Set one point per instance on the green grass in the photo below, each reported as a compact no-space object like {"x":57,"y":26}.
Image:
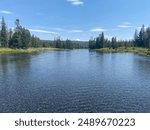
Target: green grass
{"x":136,"y":50}
{"x":30,"y":50}
{"x":141,"y":51}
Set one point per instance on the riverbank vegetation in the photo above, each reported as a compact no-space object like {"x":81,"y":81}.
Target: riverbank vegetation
{"x":21,"y":38}
{"x":140,"y":44}
{"x":136,"y":50}
{"x":29,"y":50}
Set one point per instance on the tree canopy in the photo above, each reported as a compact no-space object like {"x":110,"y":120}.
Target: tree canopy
{"x":21,"y":38}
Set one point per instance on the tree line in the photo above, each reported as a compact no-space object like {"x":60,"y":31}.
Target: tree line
{"x":141,"y":39}
{"x":21,"y":38}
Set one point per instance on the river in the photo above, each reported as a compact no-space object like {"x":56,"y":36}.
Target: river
{"x":74,"y":81}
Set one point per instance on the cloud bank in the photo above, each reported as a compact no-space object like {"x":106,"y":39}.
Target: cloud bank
{"x":76,"y":2}
{"x":98,"y":30}
{"x":42,"y":31}
{"x":5,"y":12}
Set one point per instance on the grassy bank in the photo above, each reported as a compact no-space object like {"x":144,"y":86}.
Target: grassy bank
{"x":30,"y":50}
{"x":141,"y":51}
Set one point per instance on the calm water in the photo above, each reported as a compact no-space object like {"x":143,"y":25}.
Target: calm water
{"x":74,"y":81}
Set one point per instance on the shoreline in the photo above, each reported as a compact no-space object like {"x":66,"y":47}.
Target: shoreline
{"x":29,"y":50}
{"x":136,"y":50}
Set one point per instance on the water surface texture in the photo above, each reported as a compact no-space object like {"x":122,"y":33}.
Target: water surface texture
{"x":74,"y":81}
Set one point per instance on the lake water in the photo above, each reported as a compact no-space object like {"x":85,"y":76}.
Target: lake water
{"x":74,"y":81}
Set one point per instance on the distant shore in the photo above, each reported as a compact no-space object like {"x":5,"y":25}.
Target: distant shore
{"x":30,"y":50}
{"x":136,"y":50}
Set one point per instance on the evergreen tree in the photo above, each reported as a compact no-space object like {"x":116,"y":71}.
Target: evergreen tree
{"x":25,"y":38}
{"x":92,"y":43}
{"x":21,"y":38}
{"x":114,"y":43}
{"x":68,"y":44}
{"x":33,"y":42}
{"x":141,"y":37}
{"x":148,"y":38}
{"x":10,"y":35}
{"x":136,"y":38}
{"x":102,"y":40}
{"x":98,"y":42}
{"x":0,"y":38}
{"x":16,"y":39}
{"x":4,"y":37}
{"x":58,"y":43}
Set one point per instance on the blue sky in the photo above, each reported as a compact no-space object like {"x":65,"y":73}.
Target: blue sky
{"x":77,"y":19}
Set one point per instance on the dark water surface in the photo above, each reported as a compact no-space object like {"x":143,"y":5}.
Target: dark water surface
{"x":74,"y":81}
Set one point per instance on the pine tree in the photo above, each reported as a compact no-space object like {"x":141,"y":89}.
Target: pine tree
{"x":16,"y":39}
{"x":114,"y":43}
{"x":4,"y":38}
{"x":102,"y":41}
{"x":33,"y":41}
{"x":0,"y":39}
{"x":25,"y":38}
{"x":10,"y":35}
{"x":92,"y":43}
{"x":136,"y":38}
{"x":148,"y":38}
{"x":58,"y":43}
{"x":142,"y":37}
{"x":98,"y":42}
{"x":68,"y":44}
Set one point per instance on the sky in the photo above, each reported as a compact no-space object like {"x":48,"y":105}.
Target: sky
{"x":77,"y":19}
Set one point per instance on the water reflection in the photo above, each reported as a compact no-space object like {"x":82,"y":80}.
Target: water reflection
{"x":74,"y":81}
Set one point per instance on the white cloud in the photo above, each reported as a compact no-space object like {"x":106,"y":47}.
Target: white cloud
{"x":39,"y":27}
{"x":77,"y":39}
{"x":54,"y":31}
{"x":76,"y":2}
{"x":5,"y":12}
{"x":58,"y":29}
{"x":42,"y":31}
{"x":124,"y":26}
{"x":67,"y":30}
{"x":98,"y":30}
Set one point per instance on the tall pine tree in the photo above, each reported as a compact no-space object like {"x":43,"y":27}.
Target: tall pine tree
{"x":4,"y":37}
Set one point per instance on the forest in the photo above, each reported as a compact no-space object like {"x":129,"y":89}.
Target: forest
{"x":141,"y":39}
{"x":21,"y":38}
